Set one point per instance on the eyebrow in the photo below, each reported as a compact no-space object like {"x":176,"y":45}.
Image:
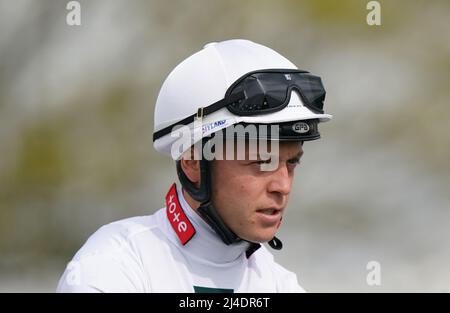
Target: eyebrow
{"x":257,"y":156}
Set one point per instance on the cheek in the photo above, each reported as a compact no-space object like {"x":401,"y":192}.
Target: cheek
{"x":236,"y":193}
{"x":228,"y":183}
{"x":245,"y":190}
{"x":234,"y":200}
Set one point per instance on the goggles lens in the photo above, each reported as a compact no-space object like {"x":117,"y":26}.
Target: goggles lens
{"x":269,"y":91}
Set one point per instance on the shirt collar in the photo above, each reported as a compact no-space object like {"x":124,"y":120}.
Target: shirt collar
{"x":206,"y":245}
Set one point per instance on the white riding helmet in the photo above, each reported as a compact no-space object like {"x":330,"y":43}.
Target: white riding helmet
{"x":204,"y":78}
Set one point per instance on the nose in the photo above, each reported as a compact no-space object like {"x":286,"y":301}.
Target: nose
{"x":280,"y":180}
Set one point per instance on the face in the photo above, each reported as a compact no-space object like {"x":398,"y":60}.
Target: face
{"x":251,"y":201}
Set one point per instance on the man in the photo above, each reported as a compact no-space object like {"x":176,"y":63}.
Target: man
{"x":233,"y":189}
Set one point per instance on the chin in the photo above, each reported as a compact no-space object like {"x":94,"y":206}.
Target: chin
{"x":260,"y":237}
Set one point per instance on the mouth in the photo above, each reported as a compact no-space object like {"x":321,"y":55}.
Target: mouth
{"x":269,"y":211}
{"x":269,"y":217}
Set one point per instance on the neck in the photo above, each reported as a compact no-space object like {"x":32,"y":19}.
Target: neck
{"x":192,"y":203}
{"x":206,"y":240}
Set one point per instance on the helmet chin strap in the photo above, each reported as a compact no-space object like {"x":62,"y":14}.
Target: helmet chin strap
{"x":202,"y":194}
{"x":209,"y":214}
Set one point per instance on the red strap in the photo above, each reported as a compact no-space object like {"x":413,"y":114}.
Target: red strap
{"x":177,"y":218}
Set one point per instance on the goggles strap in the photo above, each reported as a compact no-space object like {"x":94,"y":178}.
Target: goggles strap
{"x":204,"y":111}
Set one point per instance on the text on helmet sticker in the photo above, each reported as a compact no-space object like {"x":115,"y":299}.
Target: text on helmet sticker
{"x":300,"y":127}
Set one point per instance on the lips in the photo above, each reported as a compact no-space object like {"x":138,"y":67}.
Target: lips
{"x":270,"y":211}
{"x":269,"y":217}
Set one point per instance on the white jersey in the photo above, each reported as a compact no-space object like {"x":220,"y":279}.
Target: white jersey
{"x":150,"y":254}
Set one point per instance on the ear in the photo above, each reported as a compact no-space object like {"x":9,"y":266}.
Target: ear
{"x":191,"y":169}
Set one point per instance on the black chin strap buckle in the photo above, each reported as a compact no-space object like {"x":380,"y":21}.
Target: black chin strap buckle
{"x":275,"y":243}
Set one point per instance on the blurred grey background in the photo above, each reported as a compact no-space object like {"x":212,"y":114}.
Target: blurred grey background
{"x":76,"y":120}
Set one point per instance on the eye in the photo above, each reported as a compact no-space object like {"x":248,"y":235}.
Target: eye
{"x":293,"y":163}
{"x":259,"y":162}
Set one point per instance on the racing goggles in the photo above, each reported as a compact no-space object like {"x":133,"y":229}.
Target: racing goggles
{"x":262,"y":92}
